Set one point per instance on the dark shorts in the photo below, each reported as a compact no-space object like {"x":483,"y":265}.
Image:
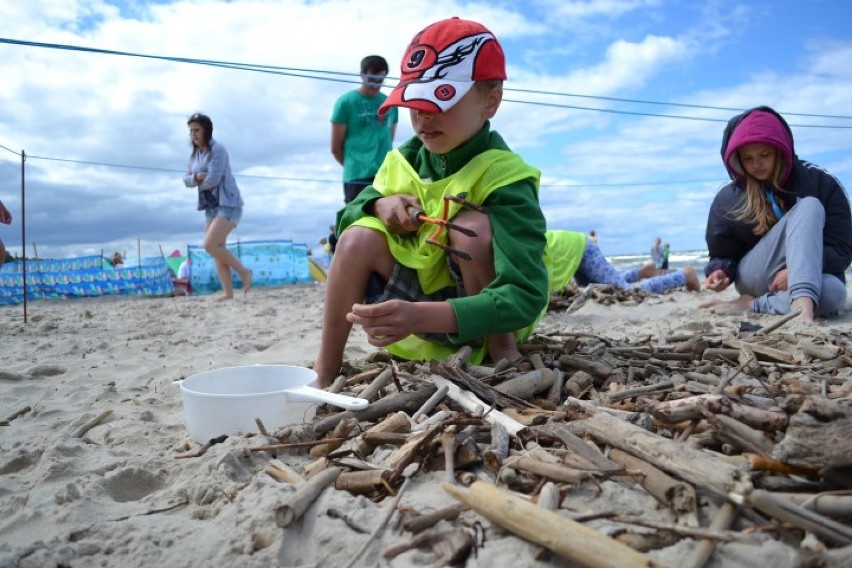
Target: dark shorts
{"x":352,"y":188}
{"x":405,"y":285}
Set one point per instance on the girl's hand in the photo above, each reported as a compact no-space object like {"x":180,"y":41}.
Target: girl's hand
{"x":779,"y":283}
{"x":395,"y":212}
{"x":386,"y":322}
{"x":717,"y":281}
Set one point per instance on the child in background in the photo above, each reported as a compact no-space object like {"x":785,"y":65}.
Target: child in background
{"x":422,"y":302}
{"x":570,"y":255}
{"x":780,"y":231}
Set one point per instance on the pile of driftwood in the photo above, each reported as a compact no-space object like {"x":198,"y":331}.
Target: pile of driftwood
{"x":756,"y":421}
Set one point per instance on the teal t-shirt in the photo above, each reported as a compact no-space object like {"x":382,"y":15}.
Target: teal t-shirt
{"x":368,"y":136}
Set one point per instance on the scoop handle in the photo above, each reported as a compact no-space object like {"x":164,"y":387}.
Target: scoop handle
{"x":311,"y":394}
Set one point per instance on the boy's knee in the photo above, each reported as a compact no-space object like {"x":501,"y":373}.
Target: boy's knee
{"x":480,"y":224}
{"x":360,"y":240}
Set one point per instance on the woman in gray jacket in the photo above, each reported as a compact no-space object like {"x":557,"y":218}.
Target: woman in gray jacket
{"x":219,"y":197}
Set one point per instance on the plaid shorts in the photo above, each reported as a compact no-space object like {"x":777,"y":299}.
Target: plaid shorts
{"x":405,"y":285}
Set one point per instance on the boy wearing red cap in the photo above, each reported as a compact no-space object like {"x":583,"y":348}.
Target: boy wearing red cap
{"x":427,"y":289}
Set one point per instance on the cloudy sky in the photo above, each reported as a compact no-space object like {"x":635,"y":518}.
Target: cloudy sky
{"x":620,"y":103}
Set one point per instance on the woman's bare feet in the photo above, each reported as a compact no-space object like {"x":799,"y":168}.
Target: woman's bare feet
{"x":743,"y":303}
{"x":807,"y":306}
{"x":692,"y":283}
{"x":224,"y":297}
{"x":245,"y":277}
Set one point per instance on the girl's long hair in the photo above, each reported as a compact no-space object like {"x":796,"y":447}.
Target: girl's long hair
{"x":756,"y":209}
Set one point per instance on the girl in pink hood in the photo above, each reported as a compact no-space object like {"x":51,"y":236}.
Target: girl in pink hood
{"x":781,"y":230}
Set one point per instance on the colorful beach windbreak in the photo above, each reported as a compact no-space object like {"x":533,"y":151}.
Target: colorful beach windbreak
{"x":274,"y":263}
{"x":84,"y":276}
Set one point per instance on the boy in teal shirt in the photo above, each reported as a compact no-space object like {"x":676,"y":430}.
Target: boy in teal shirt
{"x":421,"y":301}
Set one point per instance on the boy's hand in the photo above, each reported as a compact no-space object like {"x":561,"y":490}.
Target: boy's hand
{"x":395,"y":212}
{"x":386,"y":322}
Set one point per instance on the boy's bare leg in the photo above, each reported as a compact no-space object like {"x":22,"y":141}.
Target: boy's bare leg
{"x":359,"y":253}
{"x":479,"y":273}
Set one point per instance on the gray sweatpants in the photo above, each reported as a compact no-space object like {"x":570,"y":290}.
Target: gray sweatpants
{"x":795,"y":242}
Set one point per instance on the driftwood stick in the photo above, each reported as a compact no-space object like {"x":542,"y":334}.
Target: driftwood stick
{"x":428,"y":520}
{"x":674,"y":411}
{"x":340,"y":434}
{"x":696,"y":532}
{"x":569,"y":539}
{"x":681,"y":460}
{"x":362,"y":482}
{"x":765,"y":330}
{"x":304,"y":496}
{"x":676,"y":494}
{"x":482,"y":390}
{"x":554,"y":395}
{"x":639,"y":391}
{"x":551,"y":471}
{"x":736,"y":433}
{"x":828,"y":503}
{"x":448,"y":445}
{"x":408,"y":401}
{"x":291,"y":445}
{"x":381,"y":526}
{"x":718,"y":389}
{"x":81,"y":431}
{"x":372,"y":391}
{"x":527,"y":385}
{"x":786,"y":510}
{"x":430,"y":404}
{"x":499,"y":448}
{"x":469,"y":402}
{"x":282,"y":472}
{"x":704,"y":548}
{"x":396,"y":422}
{"x":261,"y":427}
{"x":549,"y":497}
{"x":580,"y":454}
{"x":16,"y":414}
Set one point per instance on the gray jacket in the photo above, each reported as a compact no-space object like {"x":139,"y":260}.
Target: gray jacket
{"x":219,"y":187}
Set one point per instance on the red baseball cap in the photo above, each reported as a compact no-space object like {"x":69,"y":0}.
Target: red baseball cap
{"x":442,"y":63}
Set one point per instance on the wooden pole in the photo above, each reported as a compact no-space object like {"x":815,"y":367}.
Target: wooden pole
{"x":24,"y":230}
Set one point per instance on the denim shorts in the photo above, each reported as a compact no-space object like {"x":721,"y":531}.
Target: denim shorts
{"x":232,"y":214}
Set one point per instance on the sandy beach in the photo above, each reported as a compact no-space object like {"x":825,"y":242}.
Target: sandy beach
{"x":118,"y":496}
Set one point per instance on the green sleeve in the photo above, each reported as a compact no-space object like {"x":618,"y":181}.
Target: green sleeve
{"x":356,"y":208}
{"x":518,"y":294}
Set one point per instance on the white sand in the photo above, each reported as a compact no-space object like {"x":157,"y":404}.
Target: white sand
{"x":95,"y":501}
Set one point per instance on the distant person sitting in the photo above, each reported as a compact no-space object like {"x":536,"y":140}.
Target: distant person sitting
{"x":182,"y":283}
{"x":593,"y":237}
{"x":571,"y":255}
{"x":6,"y":219}
{"x":117,"y":260}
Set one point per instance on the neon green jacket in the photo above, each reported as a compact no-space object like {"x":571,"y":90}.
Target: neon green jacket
{"x":489,"y":173}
